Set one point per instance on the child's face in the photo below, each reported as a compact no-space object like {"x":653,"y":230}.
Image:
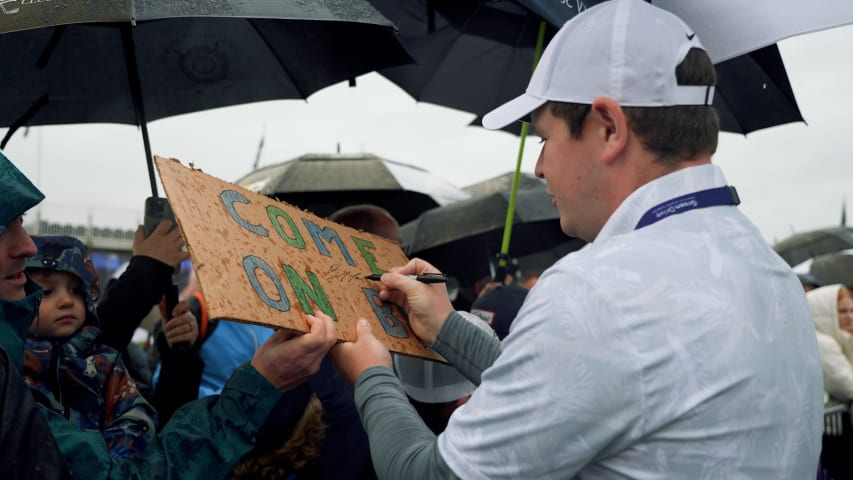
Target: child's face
{"x":63,"y":307}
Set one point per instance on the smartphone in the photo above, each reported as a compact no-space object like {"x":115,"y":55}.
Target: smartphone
{"x":156,"y":210}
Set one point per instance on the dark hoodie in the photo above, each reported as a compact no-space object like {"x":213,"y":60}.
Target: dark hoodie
{"x":78,"y":376}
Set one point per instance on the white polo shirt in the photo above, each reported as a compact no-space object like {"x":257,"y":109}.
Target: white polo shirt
{"x":682,"y":350}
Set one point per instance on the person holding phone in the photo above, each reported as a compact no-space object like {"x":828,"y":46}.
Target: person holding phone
{"x":206,"y":438}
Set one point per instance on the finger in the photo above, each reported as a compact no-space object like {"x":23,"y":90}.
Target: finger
{"x":316,"y":326}
{"x":363,"y":329}
{"x":414,"y":267}
{"x":281,"y":336}
{"x":394,"y":296}
{"x":331,"y":332}
{"x":162,"y":227}
{"x":180,"y":309}
{"x":399,"y":281}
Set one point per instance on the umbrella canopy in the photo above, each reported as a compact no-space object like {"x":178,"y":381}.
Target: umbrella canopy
{"x":474,"y":56}
{"x":470,"y":55}
{"x":833,"y":268}
{"x":728,"y":28}
{"x":800,"y":247}
{"x":134,"y":61}
{"x":325,"y":183}
{"x":503,"y":183}
{"x":463,"y":238}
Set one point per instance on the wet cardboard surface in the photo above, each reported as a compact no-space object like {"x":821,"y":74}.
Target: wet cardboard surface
{"x":266,"y":262}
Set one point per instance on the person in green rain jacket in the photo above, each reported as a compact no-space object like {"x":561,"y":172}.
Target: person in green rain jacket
{"x":204,"y":439}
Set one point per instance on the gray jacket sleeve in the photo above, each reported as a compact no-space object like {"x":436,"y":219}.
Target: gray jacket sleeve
{"x":400,"y":443}
{"x":467,"y":347}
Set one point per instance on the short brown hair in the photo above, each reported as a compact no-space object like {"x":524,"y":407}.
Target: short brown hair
{"x":673,"y":134}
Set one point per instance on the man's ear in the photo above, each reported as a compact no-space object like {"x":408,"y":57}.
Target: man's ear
{"x":612,"y":127}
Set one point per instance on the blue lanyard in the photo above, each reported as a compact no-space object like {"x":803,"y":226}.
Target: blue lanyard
{"x":712,"y":197}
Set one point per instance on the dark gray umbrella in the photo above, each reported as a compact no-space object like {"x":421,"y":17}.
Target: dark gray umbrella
{"x":802,"y":246}
{"x":134,"y":61}
{"x":474,"y":55}
{"x":323,"y":183}
{"x":503,"y":183}
{"x":833,"y":268}
{"x":463,"y":238}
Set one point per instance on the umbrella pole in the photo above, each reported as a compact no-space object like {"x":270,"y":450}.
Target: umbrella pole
{"x":139,"y":105}
{"x":503,"y":257}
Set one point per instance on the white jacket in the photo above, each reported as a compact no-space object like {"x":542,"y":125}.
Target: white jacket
{"x":833,"y":343}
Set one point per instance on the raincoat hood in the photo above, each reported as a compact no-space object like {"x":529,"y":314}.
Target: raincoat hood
{"x":63,"y":253}
{"x":15,"y":319}
{"x":19,"y":194}
{"x":823,"y":302}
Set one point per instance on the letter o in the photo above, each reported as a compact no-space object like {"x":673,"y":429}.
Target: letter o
{"x":251,"y":264}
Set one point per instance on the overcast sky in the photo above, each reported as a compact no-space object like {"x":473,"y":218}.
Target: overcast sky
{"x":790,"y":178}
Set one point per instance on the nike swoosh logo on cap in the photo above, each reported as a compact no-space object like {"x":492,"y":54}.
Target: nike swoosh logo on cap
{"x":690,"y":35}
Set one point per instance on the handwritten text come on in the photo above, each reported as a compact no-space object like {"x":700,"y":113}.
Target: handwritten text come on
{"x":267,"y":262}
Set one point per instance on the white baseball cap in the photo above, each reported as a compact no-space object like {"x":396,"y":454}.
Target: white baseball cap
{"x":626,"y":50}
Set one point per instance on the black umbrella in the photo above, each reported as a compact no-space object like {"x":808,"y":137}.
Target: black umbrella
{"x":474,"y":55}
{"x":469,"y":55}
{"x":325,"y":183}
{"x":134,"y":61}
{"x":463,"y":238}
{"x":802,"y":246}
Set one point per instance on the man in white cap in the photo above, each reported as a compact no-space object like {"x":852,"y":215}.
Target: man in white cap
{"x":676,"y":345}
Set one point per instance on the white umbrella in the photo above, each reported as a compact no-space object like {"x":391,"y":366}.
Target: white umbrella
{"x":728,"y":28}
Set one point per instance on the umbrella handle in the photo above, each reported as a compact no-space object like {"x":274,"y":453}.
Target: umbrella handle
{"x":504,"y":255}
{"x":502,"y":268}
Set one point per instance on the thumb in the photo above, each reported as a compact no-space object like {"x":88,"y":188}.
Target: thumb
{"x":139,"y":234}
{"x":363,"y":329}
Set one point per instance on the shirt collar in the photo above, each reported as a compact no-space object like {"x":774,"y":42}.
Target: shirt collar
{"x":677,"y":183}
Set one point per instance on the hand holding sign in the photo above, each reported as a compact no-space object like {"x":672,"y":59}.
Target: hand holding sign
{"x":353,"y":358}
{"x":288,"y":360}
{"x":262,"y":261}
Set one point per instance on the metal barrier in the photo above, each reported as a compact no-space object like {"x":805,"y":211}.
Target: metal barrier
{"x":833,"y":420}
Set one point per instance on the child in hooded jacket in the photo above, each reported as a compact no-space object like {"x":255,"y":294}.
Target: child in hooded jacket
{"x":67,"y":368}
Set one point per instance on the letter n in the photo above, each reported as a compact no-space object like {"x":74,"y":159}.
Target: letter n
{"x":303,"y":292}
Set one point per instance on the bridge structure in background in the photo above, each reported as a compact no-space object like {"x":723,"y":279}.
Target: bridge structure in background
{"x":96,"y":238}
{"x":110,"y":248}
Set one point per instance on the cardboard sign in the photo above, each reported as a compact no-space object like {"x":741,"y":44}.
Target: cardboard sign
{"x":266,"y":262}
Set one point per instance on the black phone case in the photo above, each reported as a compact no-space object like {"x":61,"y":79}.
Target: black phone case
{"x":156,"y":210}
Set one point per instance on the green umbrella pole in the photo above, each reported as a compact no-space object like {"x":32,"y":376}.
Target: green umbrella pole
{"x":503,"y":258}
